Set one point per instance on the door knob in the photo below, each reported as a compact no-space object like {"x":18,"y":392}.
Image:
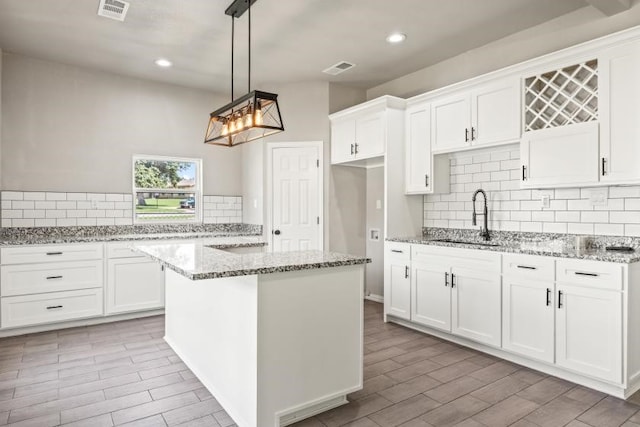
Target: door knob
{"x":276,"y":232}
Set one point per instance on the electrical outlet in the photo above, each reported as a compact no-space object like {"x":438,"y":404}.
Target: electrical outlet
{"x":545,"y":201}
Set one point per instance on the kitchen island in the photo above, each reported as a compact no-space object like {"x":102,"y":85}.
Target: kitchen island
{"x":275,"y":337}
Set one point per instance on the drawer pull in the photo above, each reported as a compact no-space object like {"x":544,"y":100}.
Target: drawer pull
{"x":559,"y":299}
{"x":453,"y":278}
{"x":580,"y":273}
{"x":53,"y":277}
{"x":527,"y":267}
{"x":406,"y":272}
{"x":398,"y":251}
{"x":548,"y":297}
{"x":52,"y":307}
{"x":54,"y":253}
{"x":446,"y":279}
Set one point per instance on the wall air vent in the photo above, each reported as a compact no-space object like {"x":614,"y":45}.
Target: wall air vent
{"x":113,"y":9}
{"x":338,"y":68}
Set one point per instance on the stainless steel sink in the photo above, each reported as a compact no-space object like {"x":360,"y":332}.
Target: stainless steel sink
{"x":465,"y":242}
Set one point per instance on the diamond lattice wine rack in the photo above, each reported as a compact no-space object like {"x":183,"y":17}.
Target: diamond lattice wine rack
{"x":561,"y":97}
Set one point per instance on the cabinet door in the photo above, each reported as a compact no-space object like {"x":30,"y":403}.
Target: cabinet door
{"x":589,"y":331}
{"x":560,"y":157}
{"x":475,"y":305}
{"x":450,"y":122}
{"x":343,"y":136}
{"x":418,"y":179}
{"x":397,"y":284}
{"x":134,"y":284}
{"x":370,"y":135}
{"x":619,"y":93}
{"x":528,"y":318}
{"x":495,"y":112}
{"x":431,"y":295}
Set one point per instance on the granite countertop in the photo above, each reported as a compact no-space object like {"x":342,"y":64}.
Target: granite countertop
{"x":529,"y":248}
{"x":42,"y":239}
{"x":201,"y":260}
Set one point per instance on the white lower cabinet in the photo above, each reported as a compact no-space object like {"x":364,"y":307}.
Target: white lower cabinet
{"x":397,"y":282}
{"x":589,"y":331}
{"x":565,"y":313}
{"x":475,"y":305}
{"x":431,"y":302}
{"x":134,"y":283}
{"x":28,"y":310}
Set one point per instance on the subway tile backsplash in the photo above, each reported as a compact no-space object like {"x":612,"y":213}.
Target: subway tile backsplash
{"x":513,"y":209}
{"x":59,"y":209}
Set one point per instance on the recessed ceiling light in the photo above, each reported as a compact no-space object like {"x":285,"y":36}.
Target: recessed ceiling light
{"x":164,"y":63}
{"x":396,"y":38}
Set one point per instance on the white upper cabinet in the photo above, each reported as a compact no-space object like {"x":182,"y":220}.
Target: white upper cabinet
{"x":560,"y":144}
{"x":451,"y":122}
{"x":495,"y":112}
{"x":484,"y":115}
{"x":418,"y":148}
{"x":361,"y":132}
{"x":619,"y":113}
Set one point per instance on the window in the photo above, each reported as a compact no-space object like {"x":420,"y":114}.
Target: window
{"x":166,"y":189}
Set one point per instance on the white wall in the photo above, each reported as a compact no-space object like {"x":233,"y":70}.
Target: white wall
{"x":74,"y":129}
{"x":305,"y":108}
{"x":375,"y":220}
{"x":497,"y":171}
{"x":570,"y":29}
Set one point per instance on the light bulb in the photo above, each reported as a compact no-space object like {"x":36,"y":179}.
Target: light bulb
{"x":258,"y":116}
{"x":248,"y":122}
{"x":232,"y":125}
{"x":225,"y":129}
{"x":239,"y":122}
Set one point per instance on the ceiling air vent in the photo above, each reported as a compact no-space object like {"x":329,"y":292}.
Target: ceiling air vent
{"x":338,"y":68}
{"x":114,"y":9}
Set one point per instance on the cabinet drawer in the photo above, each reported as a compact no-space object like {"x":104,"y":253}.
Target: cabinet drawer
{"x":50,"y":253}
{"x":24,"y":279}
{"x":472,"y":258}
{"x":528,"y":266}
{"x":50,"y":307}
{"x":595,"y":274}
{"x":122,"y":250}
{"x":399,"y":250}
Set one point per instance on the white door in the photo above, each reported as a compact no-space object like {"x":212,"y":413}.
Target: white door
{"x":619,"y":92}
{"x":589,"y":331}
{"x":296,"y":198}
{"x":431,"y":302}
{"x":451,"y":122}
{"x":370,"y":136}
{"x":495,"y":112}
{"x":528,"y":318}
{"x":418,"y":177}
{"x":475,"y":305}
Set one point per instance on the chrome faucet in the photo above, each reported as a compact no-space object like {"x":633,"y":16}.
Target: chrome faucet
{"x":484,"y":232}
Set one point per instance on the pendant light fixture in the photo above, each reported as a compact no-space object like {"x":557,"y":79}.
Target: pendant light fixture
{"x":250,"y":117}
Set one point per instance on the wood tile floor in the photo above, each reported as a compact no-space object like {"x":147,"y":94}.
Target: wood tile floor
{"x":125,"y":374}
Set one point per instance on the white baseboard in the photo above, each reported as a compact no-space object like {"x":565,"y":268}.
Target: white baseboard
{"x":374,"y":298}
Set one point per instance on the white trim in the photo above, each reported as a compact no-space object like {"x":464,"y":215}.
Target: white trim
{"x":268,"y":196}
{"x":374,"y":298}
{"x":199,"y":191}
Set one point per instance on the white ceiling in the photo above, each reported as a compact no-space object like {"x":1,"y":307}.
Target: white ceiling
{"x":293,"y":40}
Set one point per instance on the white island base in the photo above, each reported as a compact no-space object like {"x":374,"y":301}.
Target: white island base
{"x":274,"y":348}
